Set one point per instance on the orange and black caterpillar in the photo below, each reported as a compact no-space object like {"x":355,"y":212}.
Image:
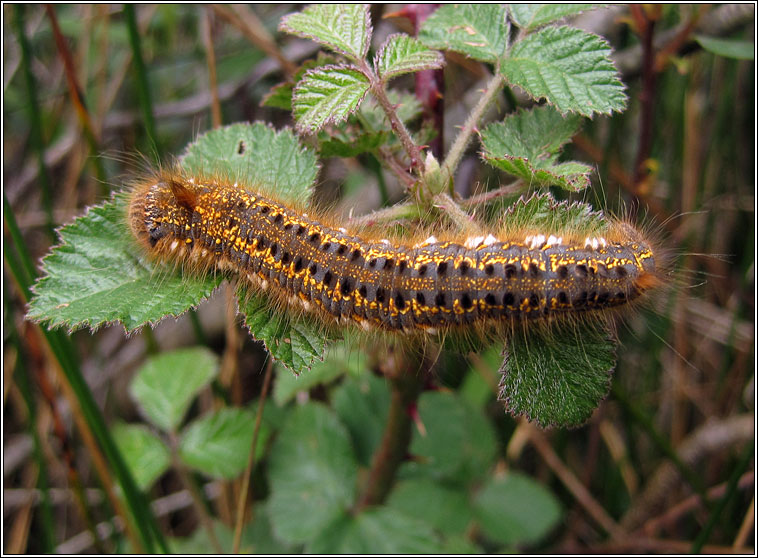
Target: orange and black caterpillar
{"x":426,"y":286}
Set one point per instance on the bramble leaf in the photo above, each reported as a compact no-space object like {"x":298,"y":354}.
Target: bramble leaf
{"x":531,"y":16}
{"x":97,"y":276}
{"x":328,"y":95}
{"x":166,"y":384}
{"x":145,"y":454}
{"x":542,"y":212}
{"x":515,"y":509}
{"x":569,"y":67}
{"x":344,"y":28}
{"x":280,"y":96}
{"x":527,"y":144}
{"x":476,"y":30}
{"x":401,"y":54}
{"x":557,"y":375}
{"x":312,"y":474}
{"x":218,"y":444}
{"x":728,"y":48}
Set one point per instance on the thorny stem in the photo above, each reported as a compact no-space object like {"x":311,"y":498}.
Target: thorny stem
{"x":377,"y":89}
{"x":461,"y":141}
{"x":461,"y":219}
{"x":486,"y":197}
{"x":405,"y":383}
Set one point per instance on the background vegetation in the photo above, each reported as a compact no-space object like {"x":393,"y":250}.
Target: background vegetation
{"x":665,"y":464}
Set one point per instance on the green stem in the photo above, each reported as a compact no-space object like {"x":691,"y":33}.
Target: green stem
{"x":143,"y":87}
{"x":35,"y":119}
{"x":458,"y":148}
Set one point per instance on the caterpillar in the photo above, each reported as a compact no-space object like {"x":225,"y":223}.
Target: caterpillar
{"x":427,"y":286}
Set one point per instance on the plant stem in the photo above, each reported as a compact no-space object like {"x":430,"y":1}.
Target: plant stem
{"x":461,"y":219}
{"x":394,"y":213}
{"x":405,"y":383}
{"x":458,"y":148}
{"x":243,"y":497}
{"x":377,"y":88}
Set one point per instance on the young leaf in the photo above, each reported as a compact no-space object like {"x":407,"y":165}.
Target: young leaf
{"x":569,"y":67}
{"x":362,"y":404}
{"x":376,"y":531}
{"x":526,"y":144}
{"x":218,"y":444}
{"x":401,"y":54}
{"x":557,"y":376}
{"x":444,"y":508}
{"x":515,"y":509}
{"x":97,"y":276}
{"x":531,"y":16}
{"x":255,"y":154}
{"x":166,"y":384}
{"x":543,"y":212}
{"x":312,"y":474}
{"x":476,"y":30}
{"x":280,"y":96}
{"x":344,"y":28}
{"x":145,"y":454}
{"x":328,"y":95}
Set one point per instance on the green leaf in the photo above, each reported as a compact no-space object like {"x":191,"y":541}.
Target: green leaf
{"x":97,"y":276}
{"x":476,"y":30}
{"x":569,"y":67}
{"x":166,"y":384}
{"x":293,"y":342}
{"x":344,"y":28}
{"x":527,"y":144}
{"x":728,"y":48}
{"x":312,"y":474}
{"x":376,"y":531}
{"x":531,"y":16}
{"x":558,"y":374}
{"x":145,"y":454}
{"x":218,"y":444}
{"x":401,"y":54}
{"x":256,"y":539}
{"x":543,"y":212}
{"x":280,"y":96}
{"x":458,"y":443}
{"x":514,"y":509}
{"x":362,"y":404}
{"x":328,"y":95}
{"x":255,"y":154}
{"x":445,"y":509}
{"x":341,"y":359}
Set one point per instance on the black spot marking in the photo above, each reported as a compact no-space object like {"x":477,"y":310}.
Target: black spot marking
{"x":420,"y":298}
{"x":300,"y":230}
{"x":422,"y":270}
{"x":399,"y":300}
{"x":534,"y":270}
{"x":372,"y":262}
{"x":314,"y":238}
{"x":325,"y":246}
{"x":286,"y":258}
{"x":563,"y":297}
{"x":439,"y":300}
{"x":621,"y":295}
{"x":402,"y":266}
{"x":347,"y":286}
{"x":581,"y":270}
{"x":510,"y":271}
{"x":261,"y":245}
{"x":389,"y":263}
{"x":602,"y":298}
{"x":489,"y":269}
{"x":278,"y":218}
{"x":341,"y":250}
{"x":328,"y":279}
{"x":355,"y":255}
{"x":265,"y":209}
{"x":509,"y":299}
{"x":562,"y":272}
{"x":464,"y":267}
{"x":380,"y":294}
{"x":534,"y":300}
{"x":298,"y":264}
{"x":274,"y":249}
{"x":363,"y":291}
{"x":442,"y":268}
{"x":466,"y":301}
{"x":620,"y":271}
{"x":490,"y":299}
{"x":580,"y":300}
{"x":288,"y":226}
{"x":313,"y":268}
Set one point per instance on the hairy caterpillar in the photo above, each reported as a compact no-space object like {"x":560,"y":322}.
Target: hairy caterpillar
{"x":430,"y":286}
